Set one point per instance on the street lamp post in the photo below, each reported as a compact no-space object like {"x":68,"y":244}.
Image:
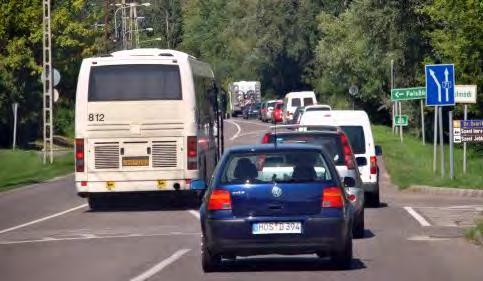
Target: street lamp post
{"x":151,"y":40}
{"x":122,"y":7}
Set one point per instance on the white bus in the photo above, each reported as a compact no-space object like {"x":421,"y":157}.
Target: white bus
{"x":145,"y":120}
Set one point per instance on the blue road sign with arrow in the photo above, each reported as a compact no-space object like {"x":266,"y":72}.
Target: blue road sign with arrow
{"x":440,"y":84}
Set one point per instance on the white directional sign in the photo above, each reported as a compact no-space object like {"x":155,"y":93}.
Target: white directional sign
{"x":465,"y":94}
{"x":440,"y":85}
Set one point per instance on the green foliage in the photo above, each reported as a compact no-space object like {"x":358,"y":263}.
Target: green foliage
{"x":21,"y":58}
{"x":22,"y":167}
{"x":410,"y":162}
{"x":456,"y":35}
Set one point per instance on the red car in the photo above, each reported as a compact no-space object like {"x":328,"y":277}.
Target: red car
{"x":277,"y":113}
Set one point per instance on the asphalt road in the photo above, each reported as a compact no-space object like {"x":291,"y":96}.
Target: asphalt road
{"x":48,"y":233}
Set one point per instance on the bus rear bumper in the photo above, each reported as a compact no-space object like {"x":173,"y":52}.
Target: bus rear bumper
{"x":85,"y":187}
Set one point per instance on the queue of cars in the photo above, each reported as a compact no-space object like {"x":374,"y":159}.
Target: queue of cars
{"x":301,"y":191}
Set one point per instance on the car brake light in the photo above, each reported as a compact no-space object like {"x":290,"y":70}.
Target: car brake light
{"x":347,"y":152}
{"x":332,"y":198}
{"x":373,"y":165}
{"x":219,"y":200}
{"x":192,"y":153}
{"x":79,"y":155}
{"x":266,"y":138}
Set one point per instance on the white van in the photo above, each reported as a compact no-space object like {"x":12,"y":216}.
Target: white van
{"x":356,"y":125}
{"x":293,"y":100}
{"x":145,"y":120}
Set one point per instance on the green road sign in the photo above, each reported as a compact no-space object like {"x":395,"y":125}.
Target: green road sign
{"x":408,"y":94}
{"x":401,"y":120}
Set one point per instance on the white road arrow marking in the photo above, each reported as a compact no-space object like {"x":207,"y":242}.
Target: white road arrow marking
{"x":446,"y":73}
{"x":431,"y":72}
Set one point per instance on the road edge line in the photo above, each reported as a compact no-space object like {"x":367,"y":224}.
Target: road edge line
{"x":421,"y":220}
{"x":43,"y":219}
{"x":161,"y":265}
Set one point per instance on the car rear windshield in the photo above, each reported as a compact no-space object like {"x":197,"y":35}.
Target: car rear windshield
{"x":134,"y":82}
{"x":296,"y":102}
{"x":279,"y":166}
{"x":318,"y":109}
{"x":356,"y":138}
{"x":271,"y":104}
{"x":308,"y":101}
{"x":330,"y":142}
{"x":279,"y":106}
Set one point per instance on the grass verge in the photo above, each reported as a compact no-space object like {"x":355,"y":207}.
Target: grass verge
{"x":411,"y":162}
{"x":22,"y":167}
{"x":476,"y":233}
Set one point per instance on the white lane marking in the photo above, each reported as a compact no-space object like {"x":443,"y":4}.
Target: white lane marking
{"x":238,"y":129}
{"x":254,"y":123}
{"x":426,"y":238}
{"x":92,"y":236}
{"x":160,"y":266}
{"x":43,"y":219}
{"x":252,"y":133}
{"x":422,"y":221}
{"x":195,"y":213}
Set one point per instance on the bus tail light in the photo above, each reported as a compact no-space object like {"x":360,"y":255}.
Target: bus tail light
{"x":219,"y":200}
{"x":192,"y":153}
{"x":373,"y":165}
{"x":79,"y":155}
{"x":348,"y":157}
{"x":332,"y":198}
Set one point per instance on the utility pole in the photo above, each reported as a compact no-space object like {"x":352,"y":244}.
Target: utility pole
{"x":136,"y":25}
{"x":123,"y":25}
{"x":106,"y":21}
{"x":47,"y":83}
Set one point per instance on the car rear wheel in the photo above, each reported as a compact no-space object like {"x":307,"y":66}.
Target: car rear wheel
{"x":373,"y":198}
{"x":358,"y":229}
{"x":343,"y":259}
{"x":209,"y":262}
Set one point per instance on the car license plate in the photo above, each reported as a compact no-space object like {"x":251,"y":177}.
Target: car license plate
{"x":135,"y":161}
{"x":277,"y":227}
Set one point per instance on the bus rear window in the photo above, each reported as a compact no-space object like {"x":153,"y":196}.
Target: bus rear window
{"x":134,"y":82}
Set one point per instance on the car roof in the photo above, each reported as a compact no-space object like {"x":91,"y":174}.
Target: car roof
{"x":272,"y":148}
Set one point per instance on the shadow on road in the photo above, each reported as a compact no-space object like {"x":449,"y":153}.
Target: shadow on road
{"x":284,"y":264}
{"x":367,"y":234}
{"x":381,"y":205}
{"x":138,"y":202}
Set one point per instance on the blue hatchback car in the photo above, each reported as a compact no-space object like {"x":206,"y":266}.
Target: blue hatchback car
{"x":275,"y":199}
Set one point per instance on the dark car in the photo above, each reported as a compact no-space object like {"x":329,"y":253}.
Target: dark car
{"x":336,"y":143}
{"x":276,"y":199}
{"x":251,"y":111}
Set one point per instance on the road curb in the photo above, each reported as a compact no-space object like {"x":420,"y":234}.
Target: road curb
{"x":461,"y":192}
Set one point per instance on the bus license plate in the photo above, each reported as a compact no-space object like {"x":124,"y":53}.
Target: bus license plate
{"x":277,"y":227}
{"x":135,"y":161}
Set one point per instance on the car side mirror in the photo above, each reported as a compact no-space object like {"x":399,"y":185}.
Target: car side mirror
{"x":198,"y":185}
{"x":378,"y":149}
{"x":361,"y":161}
{"x":349,"y":182}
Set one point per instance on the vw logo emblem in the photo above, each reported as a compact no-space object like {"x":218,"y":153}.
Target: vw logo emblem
{"x":276,"y":191}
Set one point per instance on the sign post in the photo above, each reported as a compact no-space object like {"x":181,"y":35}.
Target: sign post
{"x":465,"y":94}
{"x":451,"y":158}
{"x":440,"y":89}
{"x":422,"y":122}
{"x":15,"y":110}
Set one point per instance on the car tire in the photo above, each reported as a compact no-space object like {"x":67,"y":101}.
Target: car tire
{"x":343,"y":259}
{"x":358,"y":229}
{"x":209,"y":262}
{"x":373,"y":198}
